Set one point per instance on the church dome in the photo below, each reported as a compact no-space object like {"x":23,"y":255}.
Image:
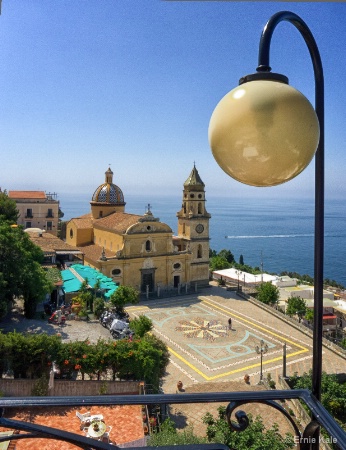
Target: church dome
{"x":108,"y":192}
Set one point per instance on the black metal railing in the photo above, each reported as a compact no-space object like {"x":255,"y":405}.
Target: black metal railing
{"x":320,"y":417}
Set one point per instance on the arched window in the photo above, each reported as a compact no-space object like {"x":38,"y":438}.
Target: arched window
{"x":100,"y":214}
{"x":199,"y":251}
{"x":183,"y":228}
{"x":148,"y":246}
{"x":71,"y":233}
{"x":184,"y":207}
{"x":199,"y":208}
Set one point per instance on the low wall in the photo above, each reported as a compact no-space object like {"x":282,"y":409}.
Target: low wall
{"x":66,"y":388}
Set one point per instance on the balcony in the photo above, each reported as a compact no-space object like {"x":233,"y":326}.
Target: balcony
{"x":304,"y":436}
{"x":29,"y":216}
{"x":50,"y":216}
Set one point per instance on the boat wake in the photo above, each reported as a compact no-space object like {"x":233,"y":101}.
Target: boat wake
{"x":271,"y":236}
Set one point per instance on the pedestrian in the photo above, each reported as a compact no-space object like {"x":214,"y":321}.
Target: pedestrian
{"x":230,"y":323}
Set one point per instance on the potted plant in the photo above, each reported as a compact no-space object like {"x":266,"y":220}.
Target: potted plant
{"x":77,"y":305}
{"x":83,"y":313}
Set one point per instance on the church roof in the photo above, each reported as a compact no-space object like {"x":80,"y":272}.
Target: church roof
{"x":118,"y":222}
{"x":108,"y":192}
{"x":85,"y":221}
{"x":194,"y":179}
{"x":94,"y":252}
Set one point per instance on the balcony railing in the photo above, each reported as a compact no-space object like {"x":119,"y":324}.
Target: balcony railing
{"x":320,"y":417}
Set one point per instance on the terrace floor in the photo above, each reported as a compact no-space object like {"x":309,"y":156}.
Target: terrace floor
{"x":126,"y":422}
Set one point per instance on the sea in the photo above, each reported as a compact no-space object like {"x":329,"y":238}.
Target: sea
{"x":276,"y":234}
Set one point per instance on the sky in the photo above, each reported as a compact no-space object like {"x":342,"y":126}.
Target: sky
{"x":133,"y":83}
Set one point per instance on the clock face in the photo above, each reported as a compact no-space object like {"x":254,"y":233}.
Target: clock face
{"x":199,"y":228}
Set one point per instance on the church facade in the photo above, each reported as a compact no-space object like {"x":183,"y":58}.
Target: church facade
{"x":139,"y":250}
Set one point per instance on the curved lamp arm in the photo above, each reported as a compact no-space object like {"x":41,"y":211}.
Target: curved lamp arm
{"x":264,"y":66}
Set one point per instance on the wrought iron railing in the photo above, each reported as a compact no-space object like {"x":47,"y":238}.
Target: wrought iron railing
{"x":320,"y":417}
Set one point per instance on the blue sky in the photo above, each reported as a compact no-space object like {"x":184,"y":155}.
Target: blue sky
{"x":133,"y":83}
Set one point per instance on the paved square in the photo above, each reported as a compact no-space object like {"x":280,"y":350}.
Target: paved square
{"x":197,"y":333}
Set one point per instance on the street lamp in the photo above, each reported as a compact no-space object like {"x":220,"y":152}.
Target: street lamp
{"x":238,"y":273}
{"x":264,"y":133}
{"x":261,"y":350}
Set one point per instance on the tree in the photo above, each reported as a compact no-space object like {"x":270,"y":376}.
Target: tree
{"x":20,"y":269}
{"x":268,"y":293}
{"x":254,"y":437}
{"x":141,"y":325}
{"x":333,"y":392}
{"x":218,"y":263}
{"x":8,"y":209}
{"x":296,"y":305}
{"x":227,"y":254}
{"x":124,"y":295}
{"x":168,"y":435}
{"x":241,"y":260}
{"x":212,"y":253}
{"x":309,"y":315}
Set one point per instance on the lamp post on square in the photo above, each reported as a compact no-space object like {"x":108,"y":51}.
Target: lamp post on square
{"x":261,"y":350}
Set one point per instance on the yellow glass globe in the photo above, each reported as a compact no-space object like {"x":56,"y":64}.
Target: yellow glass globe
{"x":263,"y":133}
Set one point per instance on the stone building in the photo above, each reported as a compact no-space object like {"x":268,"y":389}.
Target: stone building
{"x":139,"y":250}
{"x":37,"y":209}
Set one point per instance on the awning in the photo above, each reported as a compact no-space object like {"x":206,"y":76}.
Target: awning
{"x":329,"y":316}
{"x":72,"y":285}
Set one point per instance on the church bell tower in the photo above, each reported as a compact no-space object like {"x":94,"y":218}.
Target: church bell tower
{"x":193,"y":228}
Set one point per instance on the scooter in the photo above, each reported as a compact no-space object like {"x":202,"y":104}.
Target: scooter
{"x":107,"y":318}
{"x":55,"y":319}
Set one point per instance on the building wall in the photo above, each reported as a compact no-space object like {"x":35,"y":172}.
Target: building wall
{"x":39,"y":217}
{"x":78,"y":236}
{"x":166,"y":268}
{"x":108,"y":239}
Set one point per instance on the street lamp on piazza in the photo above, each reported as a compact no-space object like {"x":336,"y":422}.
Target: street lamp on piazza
{"x":238,"y":272}
{"x":264,"y":133}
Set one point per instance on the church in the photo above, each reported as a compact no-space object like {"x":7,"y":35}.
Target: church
{"x":139,"y":250}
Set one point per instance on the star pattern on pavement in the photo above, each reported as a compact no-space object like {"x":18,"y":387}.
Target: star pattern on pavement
{"x":203,"y":329}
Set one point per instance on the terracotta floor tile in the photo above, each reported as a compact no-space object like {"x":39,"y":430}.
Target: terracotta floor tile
{"x":126,"y":423}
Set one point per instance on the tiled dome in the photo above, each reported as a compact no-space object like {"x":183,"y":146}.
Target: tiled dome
{"x":108,"y":192}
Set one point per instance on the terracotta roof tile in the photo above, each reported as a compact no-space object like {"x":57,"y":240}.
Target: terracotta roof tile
{"x":27,"y":194}
{"x":93,"y":252}
{"x":49,"y":243}
{"x":118,"y":222}
{"x":85,"y":221}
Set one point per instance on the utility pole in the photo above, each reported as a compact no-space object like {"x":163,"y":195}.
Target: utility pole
{"x":261,"y":266}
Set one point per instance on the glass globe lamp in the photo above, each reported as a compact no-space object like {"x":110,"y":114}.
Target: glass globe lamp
{"x":264,"y":132}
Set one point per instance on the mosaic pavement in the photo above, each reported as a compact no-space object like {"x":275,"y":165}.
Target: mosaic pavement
{"x":201,"y":344}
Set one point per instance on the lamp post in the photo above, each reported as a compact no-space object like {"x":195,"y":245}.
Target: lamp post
{"x":238,"y":273}
{"x":264,"y":133}
{"x":261,"y":349}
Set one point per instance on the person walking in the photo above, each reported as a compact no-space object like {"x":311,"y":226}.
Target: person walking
{"x":230,"y":323}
